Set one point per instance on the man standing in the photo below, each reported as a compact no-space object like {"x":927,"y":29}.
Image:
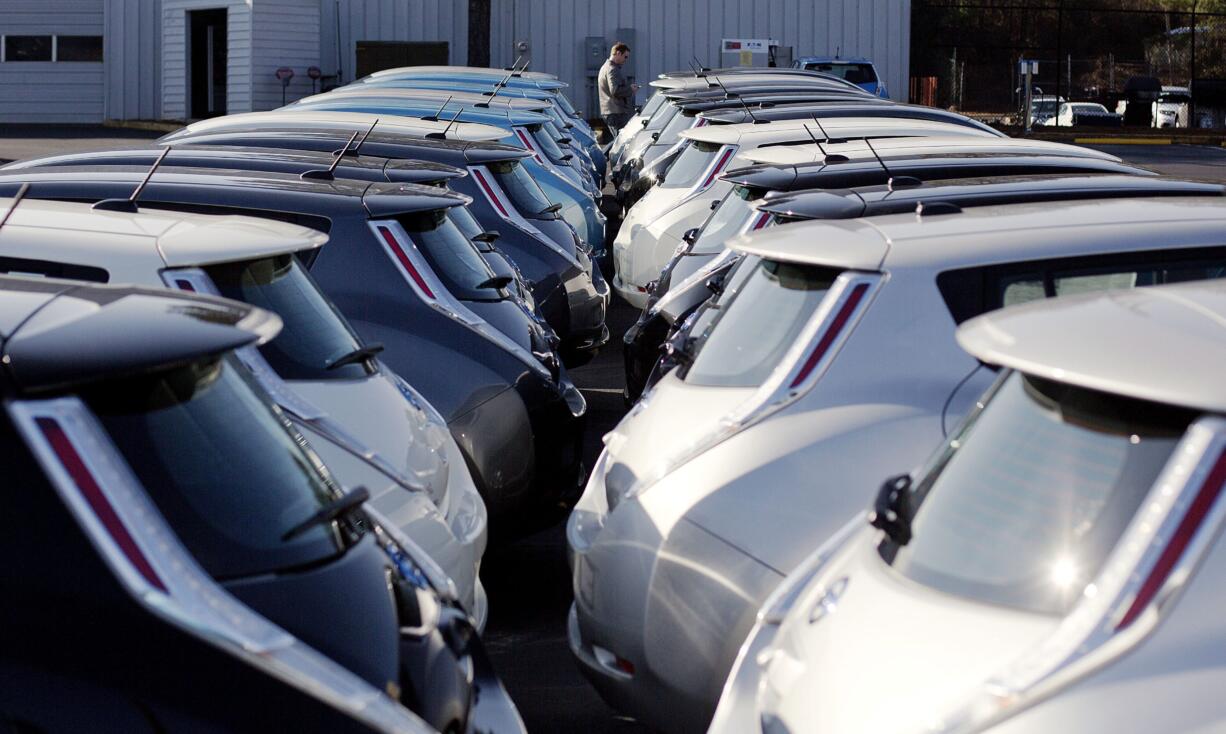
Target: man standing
{"x":616,"y":93}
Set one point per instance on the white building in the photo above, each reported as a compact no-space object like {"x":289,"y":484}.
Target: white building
{"x":85,"y":61}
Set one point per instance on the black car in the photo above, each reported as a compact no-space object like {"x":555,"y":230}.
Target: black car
{"x":547,"y":294}
{"x":643,"y":342}
{"x":512,"y":410}
{"x":179,"y":542}
{"x":502,"y":192}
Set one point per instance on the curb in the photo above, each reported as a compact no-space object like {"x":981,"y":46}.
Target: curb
{"x":157,"y":126}
{"x":1127,"y":141}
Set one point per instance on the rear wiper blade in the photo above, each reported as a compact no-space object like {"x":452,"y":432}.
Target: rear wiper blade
{"x":361,"y":354}
{"x":334,"y":510}
{"x":551,"y":209}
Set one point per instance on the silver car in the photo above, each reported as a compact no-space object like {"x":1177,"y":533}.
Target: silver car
{"x":1056,"y":566}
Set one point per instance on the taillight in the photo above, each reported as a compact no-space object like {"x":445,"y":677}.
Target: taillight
{"x":85,"y":482}
{"x":763,"y":219}
{"x":832,"y":332}
{"x":719,"y":166}
{"x":489,"y":192}
{"x":527,"y":141}
{"x":405,"y":262}
{"x":1206,"y":496}
{"x":702,"y":121}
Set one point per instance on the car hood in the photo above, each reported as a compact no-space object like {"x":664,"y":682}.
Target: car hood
{"x":376,"y":413}
{"x":865,"y":650}
{"x":665,"y":423}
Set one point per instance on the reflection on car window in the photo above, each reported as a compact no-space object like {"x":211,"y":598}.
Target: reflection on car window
{"x":727,"y":221}
{"x":227,"y":474}
{"x":451,"y":255}
{"x":690,"y":165}
{"x":748,"y":338}
{"x":314,"y":335}
{"x":519,"y":186}
{"x":1046,"y":479}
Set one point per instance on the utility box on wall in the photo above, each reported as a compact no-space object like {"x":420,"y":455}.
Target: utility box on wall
{"x":595,"y":51}
{"x":749,"y":52}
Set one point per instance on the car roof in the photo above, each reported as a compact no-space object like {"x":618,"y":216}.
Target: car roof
{"x":455,"y":98}
{"x":738,"y":81}
{"x":845,"y":108}
{"x":392,"y":109}
{"x":1155,"y":343}
{"x":876,"y":200}
{"x":833,"y":60}
{"x":801,"y":154}
{"x":438,"y":68}
{"x":307,"y":120}
{"x":869,"y":169}
{"x":753,"y":135}
{"x":407,"y":168}
{"x":377,"y":199}
{"x":997,"y":233}
{"x":180,"y":239}
{"x":771,"y":99}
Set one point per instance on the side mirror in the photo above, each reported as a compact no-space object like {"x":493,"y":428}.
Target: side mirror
{"x":690,"y":236}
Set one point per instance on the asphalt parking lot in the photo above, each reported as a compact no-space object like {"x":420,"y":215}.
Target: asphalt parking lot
{"x":528,"y":582}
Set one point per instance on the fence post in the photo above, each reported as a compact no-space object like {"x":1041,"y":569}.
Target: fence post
{"x":1192,"y":72}
{"x":1059,"y":54}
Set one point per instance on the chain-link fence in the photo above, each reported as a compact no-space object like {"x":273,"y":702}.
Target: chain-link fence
{"x":1125,"y":55}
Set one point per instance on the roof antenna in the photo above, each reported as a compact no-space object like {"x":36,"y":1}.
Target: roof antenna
{"x":129,"y":204}
{"x":354,"y":151}
{"x":443,"y":135}
{"x":697,"y":67}
{"x":749,"y":112}
{"x":829,"y":140}
{"x":514,"y":64}
{"x":329,"y":173}
{"x":727,"y":93}
{"x":434,"y":117}
{"x":21,"y":194}
{"x":826,"y":157}
{"x":892,"y":181}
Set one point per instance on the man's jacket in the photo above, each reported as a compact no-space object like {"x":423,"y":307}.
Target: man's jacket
{"x":616,"y":97}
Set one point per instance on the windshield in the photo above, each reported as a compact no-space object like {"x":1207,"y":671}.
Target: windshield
{"x":1044,"y":106}
{"x":520,"y":188}
{"x":749,"y":337}
{"x":652,"y":104}
{"x":565,"y":104}
{"x":1041,"y":484}
{"x":690,"y":165}
{"x":451,"y":255}
{"x":727,"y":221}
{"x":314,"y":335}
{"x":547,"y":143}
{"x":228,"y":475}
{"x":854,"y":73}
{"x":663,"y":116}
{"x":465,"y":220}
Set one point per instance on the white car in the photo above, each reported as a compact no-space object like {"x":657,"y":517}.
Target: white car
{"x":830,"y":363}
{"x":1076,"y":113}
{"x":793,"y":155}
{"x":652,"y":229}
{"x":635,"y":125}
{"x":370,"y":427}
{"x":1056,"y":566}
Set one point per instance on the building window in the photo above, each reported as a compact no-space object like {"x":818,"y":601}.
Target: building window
{"x":78,"y":48}
{"x":28,"y":48}
{"x":51,"y":48}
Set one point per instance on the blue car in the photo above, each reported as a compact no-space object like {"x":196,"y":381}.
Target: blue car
{"x":561,"y":183}
{"x":858,"y":71}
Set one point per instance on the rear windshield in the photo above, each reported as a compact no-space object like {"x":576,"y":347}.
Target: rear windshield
{"x":315,"y":335}
{"x":1043,"y":482}
{"x":465,"y":220}
{"x":227,"y":474}
{"x":679,"y":124}
{"x":565,"y":104}
{"x":451,"y":255}
{"x":662,"y":117}
{"x":652,"y":104}
{"x":728,"y":220}
{"x":690,"y":165}
{"x":854,"y":73}
{"x":522,"y":190}
{"x":548,"y":143}
{"x":748,"y":338}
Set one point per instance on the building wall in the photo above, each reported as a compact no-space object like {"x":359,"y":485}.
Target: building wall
{"x":132,"y":59}
{"x":174,"y":55}
{"x":287,"y":34}
{"x":47,"y":91}
{"x":668,"y":33}
{"x":388,"y":20}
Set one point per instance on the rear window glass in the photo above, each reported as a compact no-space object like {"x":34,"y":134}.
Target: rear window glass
{"x":973,"y":291}
{"x":227,"y":474}
{"x":314,"y":336}
{"x":676,"y":126}
{"x":746,"y":341}
{"x":728,"y":220}
{"x":662,"y":117}
{"x":854,"y":73}
{"x":549,"y":145}
{"x":689,"y":167}
{"x":520,"y":188}
{"x":451,"y":255}
{"x":1043,"y":483}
